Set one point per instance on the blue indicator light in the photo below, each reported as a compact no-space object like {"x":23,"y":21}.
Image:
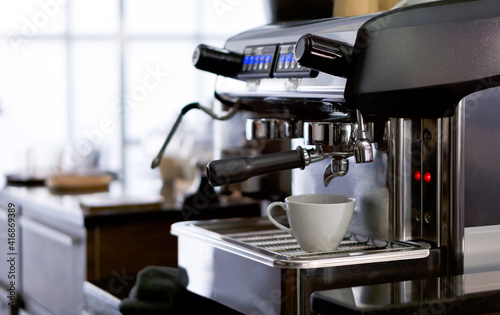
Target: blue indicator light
{"x":283,"y":58}
{"x":262,"y":58}
{"x":268,"y":58}
{"x":251,"y":60}
{"x":246,"y":60}
{"x":289,"y":57}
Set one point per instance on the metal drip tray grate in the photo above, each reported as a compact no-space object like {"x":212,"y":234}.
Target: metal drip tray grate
{"x":282,"y":243}
{"x":259,"y":240}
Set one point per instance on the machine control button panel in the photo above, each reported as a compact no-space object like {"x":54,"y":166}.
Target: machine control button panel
{"x":268,"y":61}
{"x":288,"y":67}
{"x":257,"y":62}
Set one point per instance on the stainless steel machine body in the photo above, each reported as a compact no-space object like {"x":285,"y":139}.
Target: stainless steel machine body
{"x":455,"y":209}
{"x":433,"y":140}
{"x":255,"y":268}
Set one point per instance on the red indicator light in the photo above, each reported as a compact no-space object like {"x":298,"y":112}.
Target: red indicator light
{"x":427,"y":177}
{"x":417,"y":176}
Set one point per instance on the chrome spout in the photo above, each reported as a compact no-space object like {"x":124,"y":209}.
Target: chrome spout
{"x":363,"y":152}
{"x":338,"y":167}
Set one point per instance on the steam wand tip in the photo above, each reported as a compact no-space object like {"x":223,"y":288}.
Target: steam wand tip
{"x":155,"y":162}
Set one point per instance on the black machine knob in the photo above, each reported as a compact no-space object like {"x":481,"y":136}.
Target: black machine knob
{"x":219,"y":61}
{"x":324,"y":54}
{"x":238,"y":169}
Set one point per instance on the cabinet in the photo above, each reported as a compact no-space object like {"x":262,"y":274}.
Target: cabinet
{"x":4,"y":302}
{"x":9,"y":257}
{"x":59,"y":257}
{"x":53,"y":265}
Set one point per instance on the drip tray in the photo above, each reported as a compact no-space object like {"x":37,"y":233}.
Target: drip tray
{"x":259,"y":240}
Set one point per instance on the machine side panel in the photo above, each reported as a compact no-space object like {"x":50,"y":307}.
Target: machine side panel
{"x":481,"y":160}
{"x":479,"y":242}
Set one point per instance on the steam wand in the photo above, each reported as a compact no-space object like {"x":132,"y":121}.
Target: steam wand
{"x":230,"y":114}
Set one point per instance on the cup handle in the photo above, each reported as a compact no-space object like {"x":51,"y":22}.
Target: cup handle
{"x":270,"y":216}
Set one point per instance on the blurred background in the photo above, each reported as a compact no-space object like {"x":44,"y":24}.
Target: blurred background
{"x":102,"y":82}
{"x":111,"y":74}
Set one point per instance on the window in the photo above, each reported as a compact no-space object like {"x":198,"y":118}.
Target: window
{"x":114,"y":73}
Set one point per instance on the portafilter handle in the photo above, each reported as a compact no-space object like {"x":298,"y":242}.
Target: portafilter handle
{"x":239,"y":169}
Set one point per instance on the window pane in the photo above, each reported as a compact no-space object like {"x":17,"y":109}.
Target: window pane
{"x":94,"y":17}
{"x":96,"y":97}
{"x":229,"y":17}
{"x":160,"y":17}
{"x":28,"y":19}
{"x":160,"y":81}
{"x":33,"y":100}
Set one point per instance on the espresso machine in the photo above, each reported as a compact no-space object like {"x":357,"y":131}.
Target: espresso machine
{"x":398,"y":110}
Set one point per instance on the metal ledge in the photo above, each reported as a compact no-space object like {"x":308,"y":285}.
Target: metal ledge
{"x":260,"y":241}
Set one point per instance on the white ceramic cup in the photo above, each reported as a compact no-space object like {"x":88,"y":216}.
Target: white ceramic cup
{"x":319,"y":222}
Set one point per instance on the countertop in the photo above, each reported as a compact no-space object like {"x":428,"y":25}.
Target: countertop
{"x":43,"y":204}
{"x":477,"y":293}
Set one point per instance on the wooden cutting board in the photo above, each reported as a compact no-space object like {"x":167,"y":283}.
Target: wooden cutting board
{"x":102,"y":202}
{"x":70,"y":182}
